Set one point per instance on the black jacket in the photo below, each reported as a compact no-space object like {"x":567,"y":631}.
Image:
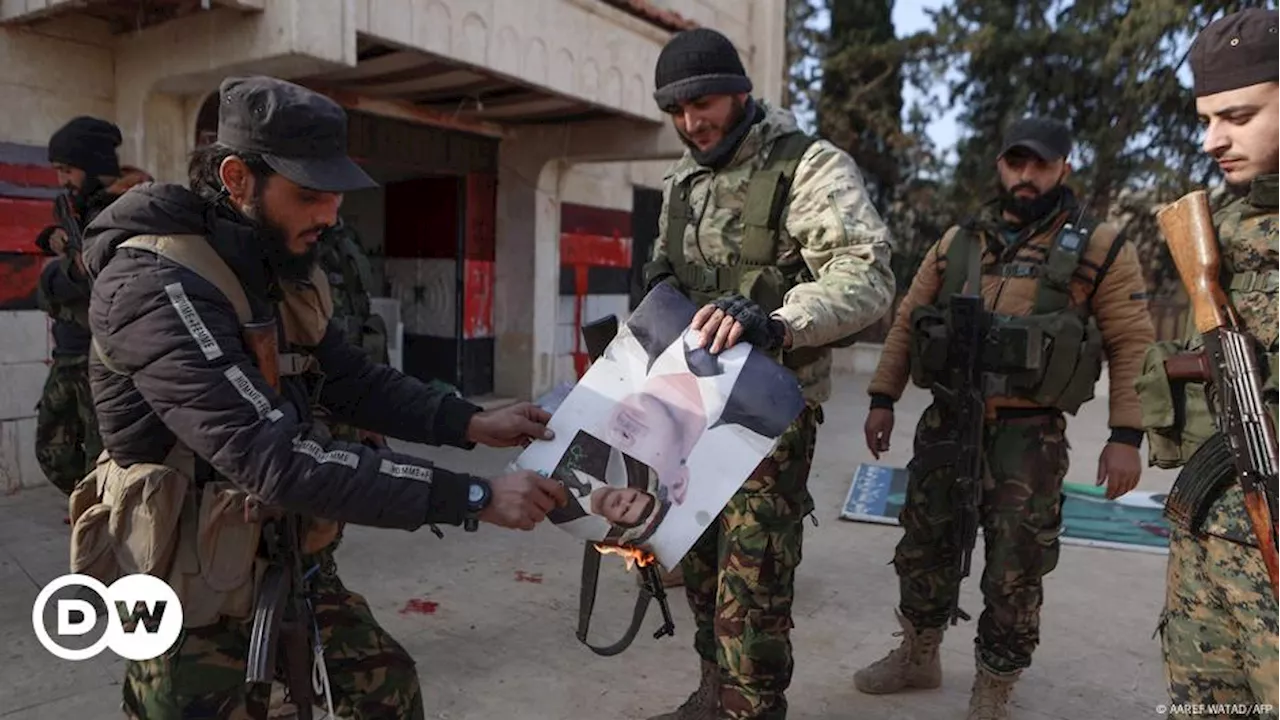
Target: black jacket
{"x":187,"y":374}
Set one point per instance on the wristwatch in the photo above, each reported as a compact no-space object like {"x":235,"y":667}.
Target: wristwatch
{"x":478,"y":497}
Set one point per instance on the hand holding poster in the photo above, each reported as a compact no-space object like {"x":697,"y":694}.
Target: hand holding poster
{"x":659,"y":433}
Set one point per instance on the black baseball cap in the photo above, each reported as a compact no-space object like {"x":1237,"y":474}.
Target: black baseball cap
{"x":300,"y":133}
{"x":1046,"y":137}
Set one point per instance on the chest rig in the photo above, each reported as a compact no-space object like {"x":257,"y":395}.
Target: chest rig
{"x":757,"y":273}
{"x":1051,"y":357}
{"x":201,"y":536}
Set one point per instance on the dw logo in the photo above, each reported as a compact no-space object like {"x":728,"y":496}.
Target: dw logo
{"x":144,"y":621}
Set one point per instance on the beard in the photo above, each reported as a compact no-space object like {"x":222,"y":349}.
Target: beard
{"x":742,"y":117}
{"x":286,"y":264}
{"x":1028,"y":210}
{"x":736,"y":114}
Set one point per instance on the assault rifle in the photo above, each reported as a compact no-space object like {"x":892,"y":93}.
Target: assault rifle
{"x":597,"y":335}
{"x":282,"y":615}
{"x":961,"y":392}
{"x":1231,"y":356}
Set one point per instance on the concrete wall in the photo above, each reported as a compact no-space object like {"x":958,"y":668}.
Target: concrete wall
{"x":51,"y":73}
{"x":23,"y":369}
{"x":151,"y":82}
{"x":47,"y":76}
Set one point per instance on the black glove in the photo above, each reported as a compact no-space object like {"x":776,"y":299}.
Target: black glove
{"x":762,"y":331}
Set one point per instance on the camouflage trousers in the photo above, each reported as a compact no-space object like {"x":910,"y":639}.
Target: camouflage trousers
{"x":740,"y":577}
{"x":1218,"y":628}
{"x":67,"y":441}
{"x":1025,"y":460}
{"x":202,"y":676}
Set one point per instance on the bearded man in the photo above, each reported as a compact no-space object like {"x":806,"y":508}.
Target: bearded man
{"x":1060,"y":293}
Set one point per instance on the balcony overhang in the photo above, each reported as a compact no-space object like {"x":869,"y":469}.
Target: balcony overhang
{"x":120,"y":15}
{"x":420,"y":87}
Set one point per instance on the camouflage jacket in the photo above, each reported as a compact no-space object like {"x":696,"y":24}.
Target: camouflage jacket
{"x":351,"y":280}
{"x":1247,"y":234}
{"x":829,"y":222}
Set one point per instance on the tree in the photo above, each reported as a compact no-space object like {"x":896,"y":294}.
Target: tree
{"x":1109,"y":69}
{"x":860,"y":106}
{"x":803,"y":49}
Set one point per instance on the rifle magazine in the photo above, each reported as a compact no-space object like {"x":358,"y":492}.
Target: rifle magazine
{"x":1207,"y":473}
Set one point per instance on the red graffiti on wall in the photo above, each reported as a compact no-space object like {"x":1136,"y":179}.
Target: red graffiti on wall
{"x":478,"y":306}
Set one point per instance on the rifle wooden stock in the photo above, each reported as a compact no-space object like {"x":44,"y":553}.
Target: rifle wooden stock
{"x":1255,"y":503}
{"x":261,"y":339}
{"x":1187,"y":226}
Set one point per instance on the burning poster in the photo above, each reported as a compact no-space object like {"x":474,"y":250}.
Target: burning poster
{"x":659,"y":434}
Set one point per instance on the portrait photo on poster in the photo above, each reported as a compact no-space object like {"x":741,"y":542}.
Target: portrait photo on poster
{"x":659,"y":433}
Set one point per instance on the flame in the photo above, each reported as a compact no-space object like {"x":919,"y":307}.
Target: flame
{"x":633,"y":556}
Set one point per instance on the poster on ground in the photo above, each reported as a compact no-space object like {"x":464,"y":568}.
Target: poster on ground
{"x":658,"y":434}
{"x":1133,"y":522}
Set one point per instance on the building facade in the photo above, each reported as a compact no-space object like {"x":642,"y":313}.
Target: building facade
{"x":517,"y":146}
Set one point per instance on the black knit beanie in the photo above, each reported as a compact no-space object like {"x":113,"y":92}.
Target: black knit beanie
{"x":89,"y":144}
{"x":695,"y":63}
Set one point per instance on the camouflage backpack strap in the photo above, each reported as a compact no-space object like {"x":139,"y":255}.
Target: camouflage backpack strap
{"x":767,"y":194}
{"x":194,"y":253}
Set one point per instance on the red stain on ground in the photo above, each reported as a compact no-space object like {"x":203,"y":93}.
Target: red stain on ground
{"x":418,"y":606}
{"x":535,"y":578}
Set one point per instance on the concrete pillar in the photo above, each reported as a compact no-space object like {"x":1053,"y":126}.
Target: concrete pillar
{"x":526,"y":277}
{"x":526,"y":271}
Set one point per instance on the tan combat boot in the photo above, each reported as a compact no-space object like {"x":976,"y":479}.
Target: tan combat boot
{"x":913,"y":664}
{"x":704,"y":703}
{"x":990,"y":698}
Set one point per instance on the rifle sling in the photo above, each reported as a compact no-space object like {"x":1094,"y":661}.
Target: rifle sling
{"x":587,"y":602}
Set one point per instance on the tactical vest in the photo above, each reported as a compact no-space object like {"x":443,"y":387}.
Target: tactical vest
{"x":757,"y":274}
{"x":1051,"y":357}
{"x":155,"y":518}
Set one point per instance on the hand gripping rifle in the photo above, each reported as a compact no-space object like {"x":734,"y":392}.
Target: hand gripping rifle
{"x":1231,"y":356}
{"x":282,"y":615}
{"x":69,"y":221}
{"x":597,"y":335}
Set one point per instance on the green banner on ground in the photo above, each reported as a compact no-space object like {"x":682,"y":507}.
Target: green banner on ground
{"x":1133,"y":522}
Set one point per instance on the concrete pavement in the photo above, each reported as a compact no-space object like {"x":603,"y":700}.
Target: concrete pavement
{"x":490,"y":617}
